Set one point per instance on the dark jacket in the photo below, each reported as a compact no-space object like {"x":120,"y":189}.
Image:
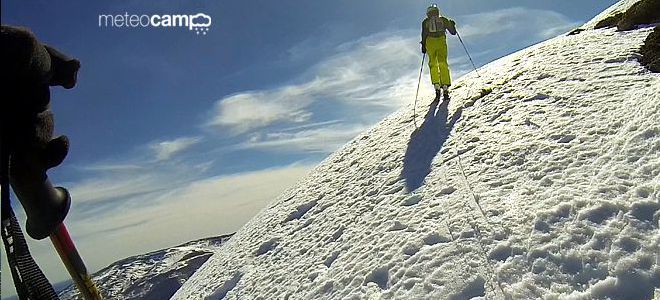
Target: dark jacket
{"x":443,"y":24}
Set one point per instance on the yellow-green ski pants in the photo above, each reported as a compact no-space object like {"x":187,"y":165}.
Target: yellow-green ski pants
{"x":436,"y":47}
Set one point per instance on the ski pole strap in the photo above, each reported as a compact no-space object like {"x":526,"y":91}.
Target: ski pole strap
{"x":29,"y":281}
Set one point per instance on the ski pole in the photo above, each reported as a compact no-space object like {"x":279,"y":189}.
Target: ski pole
{"x":419,"y":80}
{"x":74,"y":263}
{"x":468,"y":53}
{"x":46,"y":207}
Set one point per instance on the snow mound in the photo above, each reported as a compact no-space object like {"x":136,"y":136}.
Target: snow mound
{"x":618,"y":8}
{"x":540,"y":179}
{"x":157,"y":275}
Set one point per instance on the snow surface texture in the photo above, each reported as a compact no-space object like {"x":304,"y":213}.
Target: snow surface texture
{"x":157,"y":275}
{"x":540,"y":179}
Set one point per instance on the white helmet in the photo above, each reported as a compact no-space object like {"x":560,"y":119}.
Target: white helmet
{"x":432,"y":8}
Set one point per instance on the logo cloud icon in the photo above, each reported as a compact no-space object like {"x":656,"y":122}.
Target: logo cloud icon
{"x":200,"y":23}
{"x":200,"y":20}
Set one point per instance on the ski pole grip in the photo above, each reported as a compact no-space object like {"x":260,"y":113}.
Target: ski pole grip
{"x":45,"y":206}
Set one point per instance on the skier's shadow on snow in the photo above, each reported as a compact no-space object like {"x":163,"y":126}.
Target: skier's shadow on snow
{"x":426,"y":142}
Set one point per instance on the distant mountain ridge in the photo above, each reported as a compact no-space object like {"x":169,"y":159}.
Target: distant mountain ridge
{"x":156,"y":275}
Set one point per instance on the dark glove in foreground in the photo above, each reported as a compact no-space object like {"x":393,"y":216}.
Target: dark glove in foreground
{"x":29,"y":68}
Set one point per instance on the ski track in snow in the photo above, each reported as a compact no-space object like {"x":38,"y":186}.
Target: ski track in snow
{"x":546,"y":187}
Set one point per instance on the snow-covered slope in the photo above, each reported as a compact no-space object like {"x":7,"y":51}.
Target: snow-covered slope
{"x":156,"y":275}
{"x":540,"y":179}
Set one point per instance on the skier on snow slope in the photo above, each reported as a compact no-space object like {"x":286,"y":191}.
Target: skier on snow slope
{"x":434,"y":43}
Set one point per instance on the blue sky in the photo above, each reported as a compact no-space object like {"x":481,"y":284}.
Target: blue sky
{"x":177,"y":136}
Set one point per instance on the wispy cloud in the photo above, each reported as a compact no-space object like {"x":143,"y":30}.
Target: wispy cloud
{"x":366,"y":72}
{"x":103,"y":188}
{"x":250,"y":110}
{"x":366,"y":79}
{"x":324,"y":139}
{"x":197,"y":209}
{"x":513,"y":25}
{"x":164,"y":150}
{"x":116,"y":185}
{"x":203,"y":197}
{"x":109,"y":167}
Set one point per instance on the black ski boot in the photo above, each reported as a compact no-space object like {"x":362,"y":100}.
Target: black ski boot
{"x":445,"y":95}
{"x":438,"y":95}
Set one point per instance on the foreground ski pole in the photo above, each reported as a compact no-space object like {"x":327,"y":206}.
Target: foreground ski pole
{"x":74,"y":263}
{"x":46,"y":208}
{"x":468,"y":54}
{"x":417,"y":93}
